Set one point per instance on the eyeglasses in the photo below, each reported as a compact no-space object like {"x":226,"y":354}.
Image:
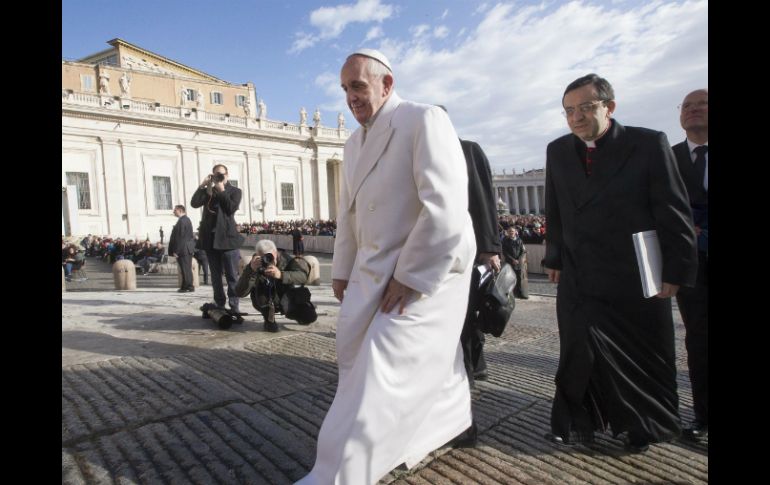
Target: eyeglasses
{"x":584,"y":108}
{"x":688,"y":106}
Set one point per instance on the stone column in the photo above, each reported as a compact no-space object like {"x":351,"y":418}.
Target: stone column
{"x":306,"y":176}
{"x":253,"y":181}
{"x":190,"y":178}
{"x":526,"y":199}
{"x":268,"y":186}
{"x":323,"y":194}
{"x":536,"y":199}
{"x":515,"y":206}
{"x":112,"y":171}
{"x":135,"y":189}
{"x":541,"y":196}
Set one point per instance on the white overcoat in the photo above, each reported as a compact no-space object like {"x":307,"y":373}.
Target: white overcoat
{"x":402,"y":389}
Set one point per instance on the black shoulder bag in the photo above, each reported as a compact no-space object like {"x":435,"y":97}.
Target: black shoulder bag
{"x":497,"y":301}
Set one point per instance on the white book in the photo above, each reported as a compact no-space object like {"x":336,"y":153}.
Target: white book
{"x":650,"y":261}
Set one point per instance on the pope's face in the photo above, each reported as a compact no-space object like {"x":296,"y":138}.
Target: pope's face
{"x":365,"y":93}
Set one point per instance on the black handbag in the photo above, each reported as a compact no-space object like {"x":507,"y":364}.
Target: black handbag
{"x":297,"y":305}
{"x":497,"y":301}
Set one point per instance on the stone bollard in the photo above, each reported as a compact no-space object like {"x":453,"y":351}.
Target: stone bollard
{"x":315,"y":270}
{"x":124,"y":274}
{"x":242,"y":264}
{"x":63,"y":281}
{"x":196,"y":278}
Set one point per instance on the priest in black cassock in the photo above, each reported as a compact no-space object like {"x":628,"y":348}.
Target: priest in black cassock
{"x":605,"y":182}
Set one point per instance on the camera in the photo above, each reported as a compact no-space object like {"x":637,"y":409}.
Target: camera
{"x":267,"y":259}
{"x":218,"y":177}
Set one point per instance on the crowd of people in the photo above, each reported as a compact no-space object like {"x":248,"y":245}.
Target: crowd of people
{"x":107,"y":248}
{"x":531,"y":228}
{"x":308,"y":227}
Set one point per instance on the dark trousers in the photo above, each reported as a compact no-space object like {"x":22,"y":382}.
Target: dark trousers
{"x":185,"y":265}
{"x":203,"y":262}
{"x":227,"y":261}
{"x":471,"y":338}
{"x":521,"y":289}
{"x":693,"y":305}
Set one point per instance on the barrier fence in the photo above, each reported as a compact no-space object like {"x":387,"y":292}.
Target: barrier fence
{"x":325,"y":244}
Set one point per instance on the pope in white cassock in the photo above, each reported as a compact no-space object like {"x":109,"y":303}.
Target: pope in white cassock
{"x":402,"y":266}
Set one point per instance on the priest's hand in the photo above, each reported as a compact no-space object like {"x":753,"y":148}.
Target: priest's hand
{"x":668,"y":290}
{"x":553,"y":275}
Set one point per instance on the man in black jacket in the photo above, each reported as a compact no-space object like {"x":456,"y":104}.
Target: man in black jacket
{"x":604,"y":183}
{"x":692,"y":157}
{"x":266,"y":279}
{"x":182,"y":246}
{"x":514,"y":253}
{"x":481,"y":206}
{"x":217,"y":233}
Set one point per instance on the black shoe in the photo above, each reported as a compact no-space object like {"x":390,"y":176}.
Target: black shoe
{"x":696,"y":431}
{"x":181,"y":290}
{"x":481,"y":375}
{"x":635,"y":444}
{"x":575,"y":438}
{"x":271,"y":327}
{"x":466,"y":439}
{"x":192,"y":288}
{"x":557,"y":440}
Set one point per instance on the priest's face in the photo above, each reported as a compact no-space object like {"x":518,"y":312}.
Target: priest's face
{"x":365,"y":92}
{"x":587,"y":116}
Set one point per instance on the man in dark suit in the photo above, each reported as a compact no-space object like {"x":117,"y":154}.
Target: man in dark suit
{"x":217,"y":233}
{"x":514,"y":253}
{"x":182,"y":246}
{"x":692,"y":157}
{"x":481,"y":206}
{"x":605,"y":182}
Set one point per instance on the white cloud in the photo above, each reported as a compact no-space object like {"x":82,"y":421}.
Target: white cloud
{"x":503,"y":82}
{"x":374,"y":33}
{"x":481,"y":8}
{"x":419,"y":30}
{"x":331,"y":21}
{"x":443,"y":15}
{"x":329,"y":83}
{"x":440,"y":32}
{"x":302,"y":42}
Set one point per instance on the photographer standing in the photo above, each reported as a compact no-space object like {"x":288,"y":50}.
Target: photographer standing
{"x":267,"y":277}
{"x":217,"y":233}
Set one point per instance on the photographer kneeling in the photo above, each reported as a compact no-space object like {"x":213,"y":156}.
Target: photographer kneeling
{"x":268,"y":277}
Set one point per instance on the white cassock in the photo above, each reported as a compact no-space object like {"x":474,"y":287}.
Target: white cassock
{"x":402,"y":389}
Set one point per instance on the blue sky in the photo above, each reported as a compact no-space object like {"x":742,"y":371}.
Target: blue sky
{"x":500,"y":68}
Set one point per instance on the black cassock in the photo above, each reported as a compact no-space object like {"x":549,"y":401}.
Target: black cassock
{"x":616,"y":366}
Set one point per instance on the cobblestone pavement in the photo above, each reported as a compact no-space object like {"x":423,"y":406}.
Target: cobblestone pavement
{"x":152,"y":393}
